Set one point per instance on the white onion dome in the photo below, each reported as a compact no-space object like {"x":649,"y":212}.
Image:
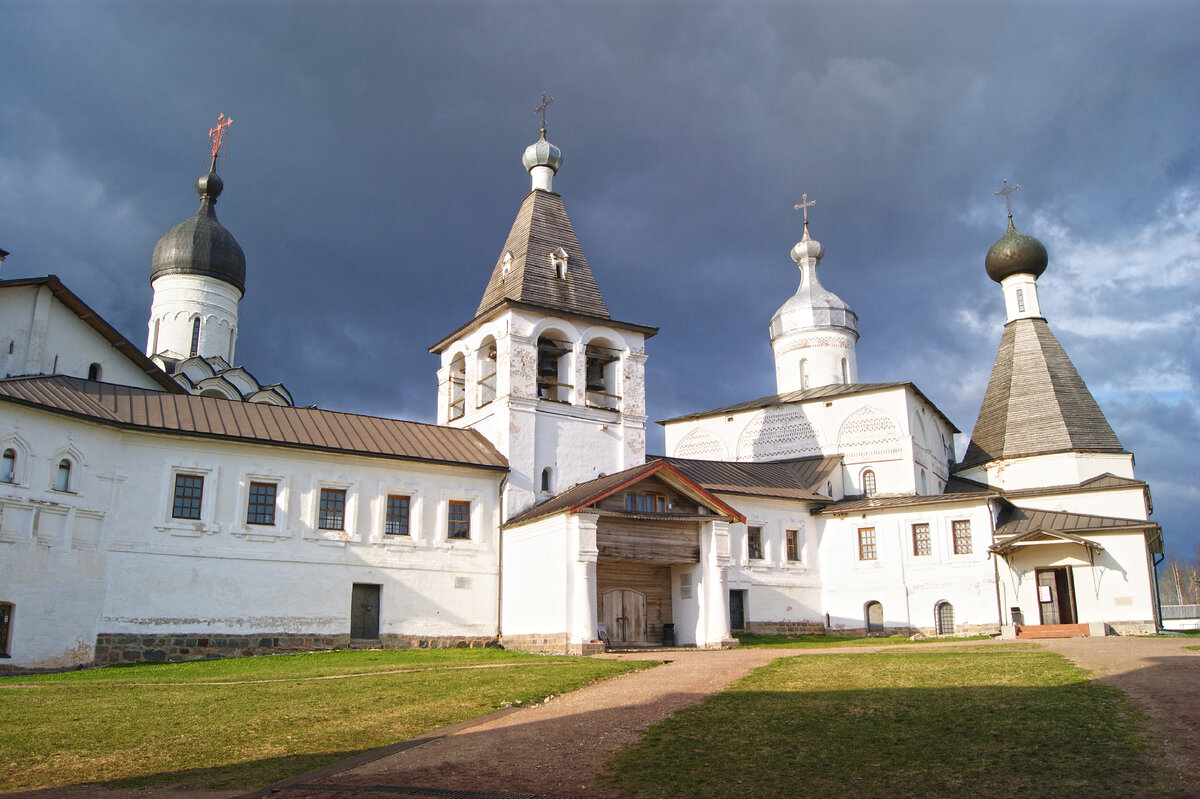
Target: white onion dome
{"x":1015,"y":254}
{"x":200,"y":245}
{"x":542,"y":153}
{"x":813,"y":306}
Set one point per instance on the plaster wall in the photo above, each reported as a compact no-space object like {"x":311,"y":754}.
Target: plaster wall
{"x":535,"y":581}
{"x":1126,"y":503}
{"x":178,"y":300}
{"x":47,"y":337}
{"x":1065,"y":468}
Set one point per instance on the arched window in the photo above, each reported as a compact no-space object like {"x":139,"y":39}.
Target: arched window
{"x":458,"y":388}
{"x":602,"y":363}
{"x":8,"y":466}
{"x":94,"y":372}
{"x":62,"y":482}
{"x":547,"y":479}
{"x":553,"y":364}
{"x":803,"y":373}
{"x":195,"y":336}
{"x":485,"y":370}
{"x":874,"y":614}
{"x":868,"y":483}
{"x":943,"y":615}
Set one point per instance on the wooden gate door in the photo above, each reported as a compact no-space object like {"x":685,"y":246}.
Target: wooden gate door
{"x":364,"y":611}
{"x":624,"y":615}
{"x":1055,"y":600}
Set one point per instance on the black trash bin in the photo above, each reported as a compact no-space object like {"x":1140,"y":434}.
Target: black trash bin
{"x":668,"y":634}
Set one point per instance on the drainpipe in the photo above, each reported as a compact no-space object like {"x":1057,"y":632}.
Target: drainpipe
{"x":500,"y":557}
{"x":995,"y":564}
{"x":903,"y":580}
{"x":1158,"y":625}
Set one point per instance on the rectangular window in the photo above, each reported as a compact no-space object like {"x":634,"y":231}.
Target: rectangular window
{"x":962,"y":538}
{"x":189,"y":489}
{"x":793,"y":545}
{"x":1020,"y":301}
{"x":754,"y":542}
{"x":332,"y":513}
{"x":866,"y":543}
{"x":6,"y":611}
{"x":646,"y":503}
{"x":260,"y":508}
{"x":922,"y":543}
{"x":458,"y":519}
{"x":396,"y":520}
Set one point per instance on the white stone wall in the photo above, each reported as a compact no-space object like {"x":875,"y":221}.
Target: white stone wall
{"x":778,"y":590}
{"x":178,"y":301}
{"x":536,"y":580}
{"x":1066,"y":468}
{"x":46,"y":337}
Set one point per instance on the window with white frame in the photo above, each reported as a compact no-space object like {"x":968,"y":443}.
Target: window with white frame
{"x":458,"y":519}
{"x":397,"y":515}
{"x":793,"y":545}
{"x":866,"y":543}
{"x":331,"y":512}
{"x":8,"y":466}
{"x":754,"y":547}
{"x":260,"y":503}
{"x":188,"y":494}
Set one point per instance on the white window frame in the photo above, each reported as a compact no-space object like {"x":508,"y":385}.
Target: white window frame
{"x":280,"y":528}
{"x":444,"y":541}
{"x":190,"y":527}
{"x":75,"y":479}
{"x":415,"y":507}
{"x":349,"y":531}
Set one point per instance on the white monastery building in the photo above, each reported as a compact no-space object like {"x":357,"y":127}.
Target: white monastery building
{"x":163,"y":504}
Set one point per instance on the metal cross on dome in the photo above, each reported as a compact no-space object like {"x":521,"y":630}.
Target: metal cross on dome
{"x":541,"y":109}
{"x":1007,"y":192}
{"x":804,"y":205}
{"x":217,"y":134}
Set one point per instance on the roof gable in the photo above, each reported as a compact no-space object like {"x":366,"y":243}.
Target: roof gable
{"x":1036,"y":402}
{"x":801,"y":478}
{"x":530,"y":276}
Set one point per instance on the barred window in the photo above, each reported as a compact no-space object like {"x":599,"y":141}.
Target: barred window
{"x":962,"y":538}
{"x":189,"y":489}
{"x":260,"y":508}
{"x":754,"y":542}
{"x":332,"y":513}
{"x":922,"y":543}
{"x":458,"y":519}
{"x":866,"y":543}
{"x":396,"y":520}
{"x":793,"y":545}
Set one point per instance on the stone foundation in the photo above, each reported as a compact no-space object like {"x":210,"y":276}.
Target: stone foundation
{"x":785,"y":627}
{"x":552,"y":644}
{"x":1132,"y":627}
{"x":112,"y":648}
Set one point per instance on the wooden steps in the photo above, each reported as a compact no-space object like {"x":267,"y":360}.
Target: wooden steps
{"x":1052,"y":631}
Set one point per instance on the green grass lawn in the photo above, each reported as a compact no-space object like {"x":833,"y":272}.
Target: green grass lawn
{"x":822,"y":641}
{"x":248,"y":722}
{"x":981,"y":722}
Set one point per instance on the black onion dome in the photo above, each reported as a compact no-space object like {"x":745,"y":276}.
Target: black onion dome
{"x":200,"y":245}
{"x":1015,"y":254}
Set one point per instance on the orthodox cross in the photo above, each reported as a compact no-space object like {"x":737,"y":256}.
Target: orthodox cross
{"x":217,"y":134}
{"x":1007,"y":191}
{"x":541,"y":109}
{"x":804,"y":205}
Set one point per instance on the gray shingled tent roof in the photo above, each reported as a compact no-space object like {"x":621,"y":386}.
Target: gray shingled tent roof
{"x":541,"y":227}
{"x":213,"y":417}
{"x":1036,"y":403}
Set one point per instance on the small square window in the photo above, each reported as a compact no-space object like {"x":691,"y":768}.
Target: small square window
{"x":260,"y":508}
{"x":395,"y":521}
{"x":793,"y":545}
{"x":962,"y":537}
{"x":189,"y":489}
{"x":922,"y":543}
{"x":866,"y":543}
{"x":332,"y":513}
{"x":458,"y":519}
{"x":754,"y":543}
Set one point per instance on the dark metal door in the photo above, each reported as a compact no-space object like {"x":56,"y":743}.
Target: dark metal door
{"x":737,"y":610}
{"x":364,"y":611}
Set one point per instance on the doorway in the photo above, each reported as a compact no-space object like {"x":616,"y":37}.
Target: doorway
{"x":737,"y":609}
{"x":623,"y":613}
{"x":1056,"y":595}
{"x":874,"y":612}
{"x":364,"y":611}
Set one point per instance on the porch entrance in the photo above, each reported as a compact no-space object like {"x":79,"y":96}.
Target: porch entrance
{"x":634,"y":602}
{"x":1056,"y":595}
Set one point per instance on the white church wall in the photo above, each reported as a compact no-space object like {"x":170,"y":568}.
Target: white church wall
{"x":1067,"y":468}
{"x":534,"y":585}
{"x":909,"y":586}
{"x":181,"y":299}
{"x":1125,"y":503}
{"x":47,"y":337}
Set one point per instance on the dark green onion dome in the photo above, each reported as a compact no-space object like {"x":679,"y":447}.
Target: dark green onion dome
{"x":200,"y":245}
{"x":1015,"y":254}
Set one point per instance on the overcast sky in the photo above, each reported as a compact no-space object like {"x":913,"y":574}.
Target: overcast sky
{"x":373,"y":171}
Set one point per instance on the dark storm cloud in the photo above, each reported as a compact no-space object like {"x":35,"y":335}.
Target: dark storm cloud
{"x":373,"y":173}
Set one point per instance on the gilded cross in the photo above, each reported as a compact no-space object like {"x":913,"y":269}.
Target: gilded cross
{"x":217,"y":134}
{"x":804,"y":205}
{"x":1007,"y":191}
{"x":541,"y":109}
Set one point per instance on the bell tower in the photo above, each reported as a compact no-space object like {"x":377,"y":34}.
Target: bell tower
{"x":542,"y":370}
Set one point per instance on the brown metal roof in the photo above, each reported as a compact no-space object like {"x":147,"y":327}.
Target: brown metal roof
{"x":97,"y":323}
{"x":584,"y":494}
{"x":955,"y":491}
{"x":1036,"y":403}
{"x":541,"y":227}
{"x":1104,"y":482}
{"x":801,"y":478}
{"x":1014,"y":521}
{"x":307,"y":428}
{"x":807,"y":395}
